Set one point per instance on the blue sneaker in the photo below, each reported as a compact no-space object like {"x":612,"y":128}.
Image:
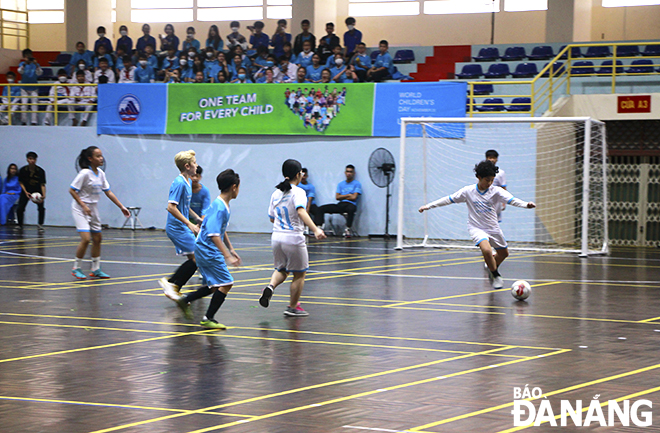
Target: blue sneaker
{"x":78,"y":274}
{"x":99,"y":274}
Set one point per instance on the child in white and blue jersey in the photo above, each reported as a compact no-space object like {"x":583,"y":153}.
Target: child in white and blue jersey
{"x":289,"y":217}
{"x":201,"y":196}
{"x":178,"y":228}
{"x":214,"y":252}
{"x":482,"y":200}
{"x":86,"y":189}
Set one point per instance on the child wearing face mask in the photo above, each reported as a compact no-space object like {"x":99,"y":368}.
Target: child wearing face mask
{"x":330,"y":61}
{"x":81,"y":66}
{"x":338,"y":71}
{"x":186,"y":67}
{"x":190,"y":41}
{"x":304,"y":58}
{"x":236,"y":39}
{"x":144,"y":73}
{"x":125,"y":40}
{"x":10,"y":96}
{"x":241,"y":76}
{"x":269,"y":64}
{"x":59,"y":94}
{"x":102,"y":41}
{"x":81,"y":54}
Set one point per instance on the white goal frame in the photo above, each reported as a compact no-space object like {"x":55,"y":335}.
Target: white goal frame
{"x":583,"y":251}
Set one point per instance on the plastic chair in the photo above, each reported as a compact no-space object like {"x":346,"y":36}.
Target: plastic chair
{"x":651,"y":51}
{"x":606,"y":67}
{"x":557,"y":69}
{"x":525,"y":70}
{"x":520,"y":104}
{"x":373,"y":55}
{"x":543,"y":52}
{"x":492,"y":107}
{"x":47,"y":75}
{"x":498,"y":70}
{"x":584,"y":67}
{"x":404,"y":56}
{"x":642,"y":66}
{"x":62,"y":59}
{"x":470,"y":71}
{"x":575,"y":52}
{"x":627,"y":51}
{"x":482,"y":89}
{"x":602,"y":51}
{"x":487,"y":55}
{"x":514,"y":53}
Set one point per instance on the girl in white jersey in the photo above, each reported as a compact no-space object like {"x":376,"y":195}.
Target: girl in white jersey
{"x":289,"y":217}
{"x":86,"y":189}
{"x":483,"y":200}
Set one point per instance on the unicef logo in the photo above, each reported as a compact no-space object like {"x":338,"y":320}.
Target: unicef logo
{"x":129,"y":109}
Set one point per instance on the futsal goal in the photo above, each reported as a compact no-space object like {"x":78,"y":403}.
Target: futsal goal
{"x":559,"y":163}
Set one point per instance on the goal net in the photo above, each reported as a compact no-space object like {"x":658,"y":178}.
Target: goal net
{"x":558,"y":163}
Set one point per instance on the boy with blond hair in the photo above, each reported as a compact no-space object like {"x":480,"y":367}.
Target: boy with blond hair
{"x":179,"y":229}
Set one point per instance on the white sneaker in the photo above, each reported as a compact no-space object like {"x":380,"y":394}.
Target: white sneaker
{"x":40,"y":228}
{"x":169,"y":289}
{"x":489,"y":273}
{"x":497,"y":282}
{"x":347,"y":232}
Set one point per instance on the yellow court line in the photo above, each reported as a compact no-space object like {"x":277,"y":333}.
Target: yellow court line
{"x":649,"y":320}
{"x":96,"y":328}
{"x":603,"y":404}
{"x":50,"y":262}
{"x":589,"y":319}
{"x":302,"y":389}
{"x":545,"y":394}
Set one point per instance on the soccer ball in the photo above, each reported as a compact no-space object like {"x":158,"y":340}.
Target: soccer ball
{"x":521,"y":290}
{"x":36,"y":197}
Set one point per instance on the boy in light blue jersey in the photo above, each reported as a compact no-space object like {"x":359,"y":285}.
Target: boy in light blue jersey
{"x":143,"y":72}
{"x":315,"y":70}
{"x":178,"y":228}
{"x":30,"y":71}
{"x":214,"y":252}
{"x":361,"y":61}
{"x":347,"y":193}
{"x":383,"y":66}
{"x":201,"y":196}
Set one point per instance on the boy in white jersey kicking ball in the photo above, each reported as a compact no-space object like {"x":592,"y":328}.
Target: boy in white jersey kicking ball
{"x":483,"y":200}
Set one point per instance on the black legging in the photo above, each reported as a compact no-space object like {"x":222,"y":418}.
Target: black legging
{"x":341,"y":207}
{"x":22,"y":202}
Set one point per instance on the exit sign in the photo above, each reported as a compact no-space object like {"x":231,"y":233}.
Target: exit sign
{"x":634,"y":104}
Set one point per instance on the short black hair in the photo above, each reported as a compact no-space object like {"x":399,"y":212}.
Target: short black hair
{"x":80,"y":43}
{"x":103,"y":79}
{"x":26,"y":51}
{"x":351,"y":166}
{"x":282,"y":57}
{"x":31,"y":154}
{"x":143,"y":56}
{"x":227,"y":179}
{"x":350,"y":20}
{"x":304,"y":170}
{"x":485,"y":169}
{"x":492,"y":153}
{"x":191,"y":28}
{"x":305,"y":21}
{"x":383,"y":42}
{"x":103,"y":60}
{"x":100,"y":29}
{"x":329,"y":24}
{"x":61,"y":72}
{"x":362,"y":43}
{"x":121,"y":47}
{"x":11,"y":74}
{"x":234,"y":24}
{"x":258,"y":25}
{"x":127,"y":59}
{"x":79,"y":72}
{"x":199,"y":170}
{"x":281,"y":22}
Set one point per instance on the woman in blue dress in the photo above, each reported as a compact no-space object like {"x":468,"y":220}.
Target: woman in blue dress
{"x":10,"y":193}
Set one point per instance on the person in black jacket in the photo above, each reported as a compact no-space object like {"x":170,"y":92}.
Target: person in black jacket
{"x":328,"y":42}
{"x":33,"y":180}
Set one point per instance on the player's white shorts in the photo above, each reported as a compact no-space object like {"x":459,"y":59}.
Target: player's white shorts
{"x":495,"y":237}
{"x":290,"y":252}
{"x":84,"y":222}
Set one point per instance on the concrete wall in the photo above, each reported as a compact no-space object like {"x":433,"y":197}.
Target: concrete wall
{"x":8,"y":58}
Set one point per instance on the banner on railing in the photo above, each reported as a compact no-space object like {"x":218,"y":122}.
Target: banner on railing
{"x":360,"y":109}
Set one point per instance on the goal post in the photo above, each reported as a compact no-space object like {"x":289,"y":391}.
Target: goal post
{"x":557,"y":162}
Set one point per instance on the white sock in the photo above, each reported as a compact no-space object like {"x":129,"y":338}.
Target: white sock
{"x":77,"y":264}
{"x":96,"y":263}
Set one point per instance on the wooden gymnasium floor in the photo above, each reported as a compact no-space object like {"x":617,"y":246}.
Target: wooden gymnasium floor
{"x":395,"y":341}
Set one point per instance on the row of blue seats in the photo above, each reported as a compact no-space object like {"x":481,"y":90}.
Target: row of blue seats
{"x":517,"y":104}
{"x":545,"y":52}
{"x":527,"y":70}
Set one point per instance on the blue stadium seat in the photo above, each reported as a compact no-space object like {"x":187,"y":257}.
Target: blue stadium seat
{"x":514,"y":53}
{"x":575,"y":52}
{"x":606,"y":67}
{"x":524,"y":70}
{"x":642,"y":66}
{"x":520,"y":104}
{"x":651,"y":51}
{"x":482,"y":89}
{"x":557,"y":68}
{"x":487,"y":55}
{"x":492,"y":107}
{"x":47,"y":75}
{"x":471,"y":71}
{"x":627,"y":51}
{"x":498,"y":70}
{"x":583,"y":68}
{"x":543,"y":52}
{"x":373,"y":55}
{"x":62,"y":59}
{"x":404,"y":56}
{"x":601,"y":51}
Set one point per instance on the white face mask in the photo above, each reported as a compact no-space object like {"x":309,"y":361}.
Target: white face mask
{"x":10,"y":80}
{"x":350,"y":27}
{"x":307,"y":51}
{"x":101,"y":35}
{"x":191,"y":36}
{"x":209,"y":55}
{"x":81,"y":67}
{"x":183,"y":62}
{"x":143,"y":62}
{"x":123,"y":33}
{"x":191,"y":54}
{"x":339,"y":61}
{"x":62,"y":79}
{"x":234,"y":29}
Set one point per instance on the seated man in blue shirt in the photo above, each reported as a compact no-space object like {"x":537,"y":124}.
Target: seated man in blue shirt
{"x":383,"y":66}
{"x":81,"y":54}
{"x":347,"y":193}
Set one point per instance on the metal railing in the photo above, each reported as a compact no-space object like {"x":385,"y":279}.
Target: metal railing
{"x":14,"y":29}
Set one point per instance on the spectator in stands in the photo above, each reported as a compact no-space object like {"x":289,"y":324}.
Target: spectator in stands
{"x":330,"y":61}
{"x":235,"y":64}
{"x":127,"y":74}
{"x":152,"y":60}
{"x":326,"y":76}
{"x":267,"y":77}
{"x":199,"y":77}
{"x":144,"y":73}
{"x":262,"y":58}
{"x":315,"y":69}
{"x":298,"y":46}
{"x":125,"y":40}
{"x":361,"y":62}
{"x":270,"y":63}
{"x":287,"y":71}
{"x":347,"y":193}
{"x":198,"y":66}
{"x":119,"y":59}
{"x":190,"y":40}
{"x":304,"y":58}
{"x":350,"y":76}
{"x":170,"y":39}
{"x":258,"y":38}
{"x":383,"y":66}
{"x":241,"y":76}
{"x":146,"y":39}
{"x":351,"y":38}
{"x":83,"y":95}
{"x":221,"y":77}
{"x":301,"y":75}
{"x":214,"y":40}
{"x":30,"y":71}
{"x":82,"y":67}
{"x":81,"y":54}
{"x":101,"y":54}
{"x":170,"y":62}
{"x":328,"y":42}
{"x":186,"y":64}
{"x":338,"y":70}
{"x":173,"y":76}
{"x":58,"y":95}
{"x":9,"y":98}
{"x":280,"y":37}
{"x":288,"y":51}
{"x":245,"y":60}
{"x":211,"y":68}
{"x":102,"y":41}
{"x":236,"y":39}
{"x":104,"y":71}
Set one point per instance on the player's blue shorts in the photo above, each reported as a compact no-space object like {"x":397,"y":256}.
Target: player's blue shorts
{"x":184,"y":241}
{"x":214,"y":271}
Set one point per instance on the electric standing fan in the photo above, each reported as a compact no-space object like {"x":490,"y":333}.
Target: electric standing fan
{"x":381,"y":172}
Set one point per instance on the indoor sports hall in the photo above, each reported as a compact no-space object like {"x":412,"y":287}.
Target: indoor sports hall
{"x":409,"y":320}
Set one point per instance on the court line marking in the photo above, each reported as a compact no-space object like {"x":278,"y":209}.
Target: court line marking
{"x":545,"y":394}
{"x":653,"y":319}
{"x":302,"y":389}
{"x":591,"y":319}
{"x":603,"y":404}
{"x":96,"y":328}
